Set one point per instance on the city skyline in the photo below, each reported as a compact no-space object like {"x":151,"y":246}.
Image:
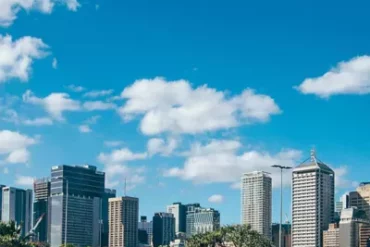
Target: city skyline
{"x":180,"y":98}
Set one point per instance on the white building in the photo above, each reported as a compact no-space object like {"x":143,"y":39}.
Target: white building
{"x":256,"y":201}
{"x":312,"y":202}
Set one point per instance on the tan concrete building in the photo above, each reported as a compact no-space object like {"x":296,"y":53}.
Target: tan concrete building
{"x":123,"y":221}
{"x":331,"y":236}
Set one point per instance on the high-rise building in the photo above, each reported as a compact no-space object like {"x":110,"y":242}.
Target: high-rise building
{"x":1,"y":196}
{"x":331,"y":236}
{"x":349,"y":230}
{"x":163,"y":229}
{"x":286,"y":234}
{"x":312,"y":202}
{"x":360,"y":199}
{"x":108,"y":193}
{"x":146,"y":226}
{"x":17,"y":207}
{"x":179,"y":212}
{"x":123,"y":221}
{"x":202,"y":220}
{"x":76,"y":205}
{"x":256,"y":201}
{"x":41,"y":188}
{"x":143,"y":237}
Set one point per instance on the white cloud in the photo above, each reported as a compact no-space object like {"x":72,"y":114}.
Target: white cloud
{"x":10,"y":8}
{"x":84,"y":128}
{"x":98,"y":105}
{"x":216,"y":199}
{"x":38,"y":121}
{"x":117,"y":171}
{"x":16,"y":57}
{"x":160,"y":146}
{"x":55,"y":103}
{"x":348,"y":77}
{"x":174,"y":106}
{"x":113,"y":143}
{"x":92,"y":119}
{"x":340,"y":178}
{"x":24,"y":180}
{"x":220,"y":161}
{"x":54,"y":64}
{"x":98,"y":93}
{"x":76,"y":89}
{"x":14,"y":146}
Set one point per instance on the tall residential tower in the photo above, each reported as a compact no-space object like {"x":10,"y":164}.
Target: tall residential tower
{"x":312,"y":202}
{"x":256,"y":201}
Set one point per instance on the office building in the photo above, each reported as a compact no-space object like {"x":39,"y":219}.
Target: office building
{"x":123,"y":221}
{"x":179,"y":212}
{"x":163,"y":229}
{"x":312,"y":202}
{"x":331,"y":236}
{"x":76,"y":203}
{"x":17,"y":207}
{"x":286,"y":234}
{"x":349,"y":229}
{"x":143,"y":237}
{"x":41,"y":188}
{"x":256,"y":201}
{"x":360,"y":199}
{"x":1,"y":196}
{"x":147,"y":227}
{"x":202,"y":220}
{"x":108,"y":193}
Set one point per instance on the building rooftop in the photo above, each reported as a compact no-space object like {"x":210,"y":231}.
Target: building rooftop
{"x":313,"y":164}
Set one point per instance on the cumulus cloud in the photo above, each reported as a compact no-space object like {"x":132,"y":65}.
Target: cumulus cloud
{"x":38,"y":121}
{"x":24,"y":180}
{"x":98,"y":93}
{"x":219,"y":161}
{"x":113,"y":143}
{"x":75,"y":88}
{"x":14,"y":146}
{"x":160,"y":146}
{"x":10,"y":8}
{"x":17,"y":56}
{"x":84,"y":128}
{"x":117,"y":171}
{"x":340,"y":178}
{"x":13,"y":117}
{"x":176,"y":107}
{"x":55,"y":103}
{"x":98,"y":105}
{"x":216,"y":199}
{"x":54,"y":64}
{"x":348,"y":77}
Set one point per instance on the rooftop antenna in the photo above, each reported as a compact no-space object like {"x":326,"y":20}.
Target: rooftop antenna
{"x":313,"y":154}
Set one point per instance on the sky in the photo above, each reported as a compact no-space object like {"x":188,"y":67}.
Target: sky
{"x":180,"y":98}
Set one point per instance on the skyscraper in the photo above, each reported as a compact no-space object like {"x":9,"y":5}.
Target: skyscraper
{"x":163,"y":229}
{"x":179,"y":212}
{"x":123,"y":221}
{"x":312,"y":202}
{"x":108,"y":193}
{"x":146,"y":226}
{"x":349,"y":229}
{"x":17,"y":206}
{"x":76,"y":198}
{"x":1,"y":196}
{"x":201,"y":220}
{"x":331,"y":236}
{"x":41,"y":188}
{"x":256,"y":201}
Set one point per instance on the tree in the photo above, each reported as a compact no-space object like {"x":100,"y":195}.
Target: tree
{"x":238,"y":235}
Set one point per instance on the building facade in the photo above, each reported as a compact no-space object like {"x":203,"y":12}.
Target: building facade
{"x":1,"y":197}
{"x":350,"y":224}
{"x":41,"y":208}
{"x":163,"y":229}
{"x":179,"y":212}
{"x":123,"y":221}
{"x":331,"y":236}
{"x":76,"y":203}
{"x":256,"y":202}
{"x":312,"y":202}
{"x":147,"y":227}
{"x":17,"y":207}
{"x":286,"y":234}
{"x":108,"y":193}
{"x":202,"y":220}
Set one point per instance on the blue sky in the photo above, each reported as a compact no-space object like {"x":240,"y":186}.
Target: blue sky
{"x":182,"y":97}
